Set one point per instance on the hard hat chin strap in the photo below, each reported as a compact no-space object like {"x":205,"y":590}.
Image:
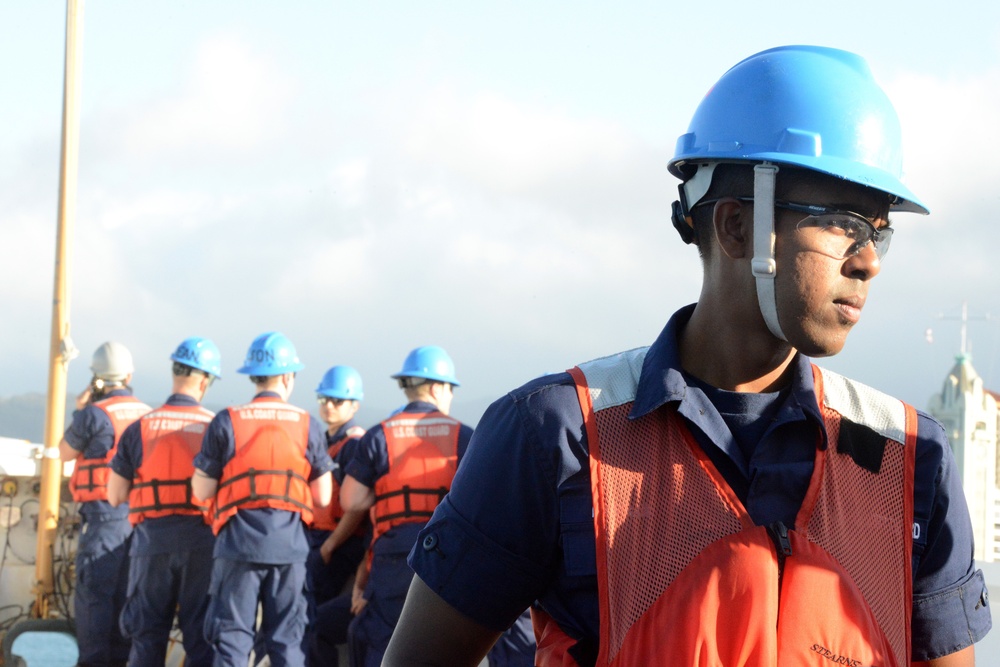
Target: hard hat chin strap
{"x":763,"y":265}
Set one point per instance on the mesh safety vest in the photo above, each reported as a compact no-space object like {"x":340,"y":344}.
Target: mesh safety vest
{"x":90,"y":476}
{"x":327,"y":518}
{"x":423,"y":456}
{"x":686,"y":578}
{"x":269,"y":467}
{"x":171,"y":437}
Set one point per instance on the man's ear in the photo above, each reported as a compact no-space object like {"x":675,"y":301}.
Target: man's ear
{"x":733,"y":221}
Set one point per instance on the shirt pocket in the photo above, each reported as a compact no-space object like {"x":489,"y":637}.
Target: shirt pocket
{"x":576,"y":535}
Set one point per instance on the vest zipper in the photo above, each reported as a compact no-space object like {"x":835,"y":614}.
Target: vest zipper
{"x":782,"y":546}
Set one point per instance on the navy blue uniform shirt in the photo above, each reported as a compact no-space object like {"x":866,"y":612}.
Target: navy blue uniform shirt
{"x":266,"y":535}
{"x":166,"y":534}
{"x":92,"y":433}
{"x":346,"y":453}
{"x":518,"y":523}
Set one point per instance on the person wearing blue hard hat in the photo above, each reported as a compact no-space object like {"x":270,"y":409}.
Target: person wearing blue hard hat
{"x":171,"y":553}
{"x":403,"y":467}
{"x":103,"y":411}
{"x":716,"y":497}
{"x":264,"y":467}
{"x":337,"y":538}
{"x":337,"y":533}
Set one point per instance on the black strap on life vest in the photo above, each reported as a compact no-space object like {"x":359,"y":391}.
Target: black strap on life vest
{"x":408,"y":511}
{"x":158,"y":505}
{"x":253,"y":474}
{"x":87,"y":469}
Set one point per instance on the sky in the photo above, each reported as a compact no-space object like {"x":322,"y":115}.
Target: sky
{"x":488,"y":177}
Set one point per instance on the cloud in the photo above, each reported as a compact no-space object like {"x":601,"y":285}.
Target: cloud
{"x":234,"y":102}
{"x":511,"y":146}
{"x":951,"y":136}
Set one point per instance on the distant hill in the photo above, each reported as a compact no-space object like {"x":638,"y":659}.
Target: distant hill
{"x":24,"y":416}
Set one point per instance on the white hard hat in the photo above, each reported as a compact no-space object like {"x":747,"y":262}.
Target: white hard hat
{"x":112,"y":361}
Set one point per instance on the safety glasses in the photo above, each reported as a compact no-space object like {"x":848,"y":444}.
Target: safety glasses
{"x":337,"y":402}
{"x":842,"y":234}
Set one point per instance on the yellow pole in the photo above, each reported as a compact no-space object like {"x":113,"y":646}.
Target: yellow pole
{"x":61,"y":349}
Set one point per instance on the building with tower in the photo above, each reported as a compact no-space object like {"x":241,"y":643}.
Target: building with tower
{"x":970,"y":416}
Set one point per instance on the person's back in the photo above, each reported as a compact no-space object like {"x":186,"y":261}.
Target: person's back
{"x":264,"y":466}
{"x":403,"y":468}
{"x":171,"y":551}
{"x":104,"y":410}
{"x":715,"y":498}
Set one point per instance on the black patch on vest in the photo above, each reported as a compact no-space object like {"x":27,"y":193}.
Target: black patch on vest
{"x":862,"y":444}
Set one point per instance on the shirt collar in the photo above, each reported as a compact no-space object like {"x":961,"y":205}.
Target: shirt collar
{"x":662,"y":380}
{"x":182,"y":399}
{"x":421,"y":406}
{"x":267,"y":394}
{"x":342,"y":431}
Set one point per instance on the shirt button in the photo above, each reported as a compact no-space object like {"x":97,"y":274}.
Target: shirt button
{"x":430,"y":542}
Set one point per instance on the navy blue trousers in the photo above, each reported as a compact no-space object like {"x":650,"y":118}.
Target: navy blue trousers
{"x":101,"y":581}
{"x":236,"y":588}
{"x":157,"y":586}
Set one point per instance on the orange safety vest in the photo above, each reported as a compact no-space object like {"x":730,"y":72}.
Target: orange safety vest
{"x":90,"y":476}
{"x":686,"y":578}
{"x":171,"y":437}
{"x":423,"y":456}
{"x":327,"y":518}
{"x":269,"y":467}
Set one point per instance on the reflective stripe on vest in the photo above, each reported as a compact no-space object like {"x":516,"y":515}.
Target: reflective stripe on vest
{"x":171,"y":437}
{"x":327,"y":518}
{"x":269,"y":467}
{"x":90,"y":476}
{"x":684,"y":577}
{"x":423,"y":456}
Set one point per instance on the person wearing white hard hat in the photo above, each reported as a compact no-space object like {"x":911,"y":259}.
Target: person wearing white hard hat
{"x":716,"y":498}
{"x":104,"y":410}
{"x":170,"y":560}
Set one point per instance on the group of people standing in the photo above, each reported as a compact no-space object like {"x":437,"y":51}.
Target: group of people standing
{"x":714,"y":498}
{"x":263,"y":531}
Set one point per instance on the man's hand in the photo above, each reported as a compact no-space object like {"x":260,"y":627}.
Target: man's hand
{"x":327,"y":548}
{"x":358,"y":601}
{"x":83,"y":399}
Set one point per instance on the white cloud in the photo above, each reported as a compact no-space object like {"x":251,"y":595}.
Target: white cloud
{"x":349,"y":180}
{"x":234,"y":101}
{"x":508,"y":145}
{"x":951,"y":135}
{"x":150,"y":209}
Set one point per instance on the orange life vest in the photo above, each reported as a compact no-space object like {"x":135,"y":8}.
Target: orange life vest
{"x":171,"y":437}
{"x":686,"y":578}
{"x":423,"y":456}
{"x":327,"y":518}
{"x":269,"y":467}
{"x":90,"y":476}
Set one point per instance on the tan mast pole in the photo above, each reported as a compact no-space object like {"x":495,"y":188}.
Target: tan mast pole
{"x":61,"y":349}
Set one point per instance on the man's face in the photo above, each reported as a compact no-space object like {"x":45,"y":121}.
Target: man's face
{"x":820,"y":297}
{"x":335,"y":411}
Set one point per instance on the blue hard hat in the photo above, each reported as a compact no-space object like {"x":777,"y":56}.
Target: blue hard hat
{"x":199,"y":353}
{"x":271,"y":354}
{"x":431,"y":363}
{"x":341,"y":382}
{"x":807,"y":106}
